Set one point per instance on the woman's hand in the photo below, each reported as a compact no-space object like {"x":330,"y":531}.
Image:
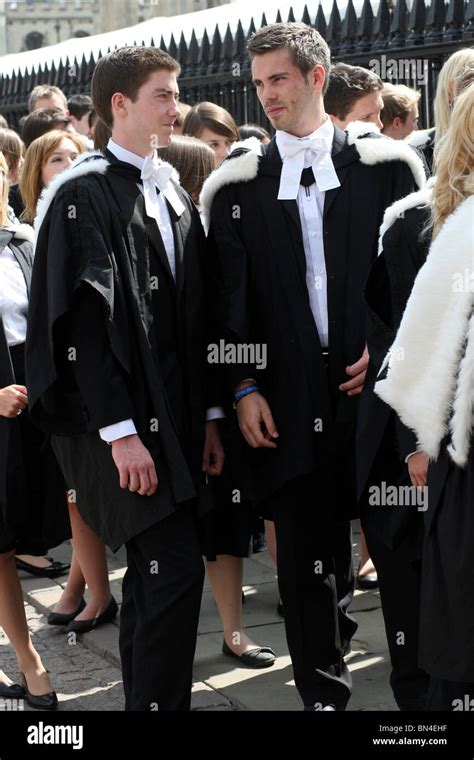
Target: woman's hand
{"x":13,"y":399}
{"x":418,"y":468}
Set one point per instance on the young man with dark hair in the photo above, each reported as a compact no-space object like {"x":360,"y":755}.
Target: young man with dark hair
{"x":80,"y":107}
{"x":43,"y":120}
{"x":293,"y":233}
{"x":353,"y":94}
{"x":115,"y":360}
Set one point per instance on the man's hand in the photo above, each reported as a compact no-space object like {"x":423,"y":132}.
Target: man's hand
{"x":256,"y":421}
{"x":418,"y":468}
{"x":136,"y":467}
{"x":357,"y":372}
{"x":213,"y":455}
{"x":13,"y":399}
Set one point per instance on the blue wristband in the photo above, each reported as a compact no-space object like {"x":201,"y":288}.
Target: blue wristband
{"x":244,"y":392}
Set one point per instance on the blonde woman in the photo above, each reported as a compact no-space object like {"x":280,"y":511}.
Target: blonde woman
{"x":446,"y":90}
{"x":33,"y":510}
{"x":432,"y":393}
{"x":46,"y":157}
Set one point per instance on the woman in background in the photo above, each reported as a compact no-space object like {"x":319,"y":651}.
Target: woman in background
{"x":226,"y":527}
{"x":33,"y":509}
{"x":214,"y":126}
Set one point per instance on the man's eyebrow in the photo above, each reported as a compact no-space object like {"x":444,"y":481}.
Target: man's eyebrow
{"x":168,"y":90}
{"x":273,"y":76}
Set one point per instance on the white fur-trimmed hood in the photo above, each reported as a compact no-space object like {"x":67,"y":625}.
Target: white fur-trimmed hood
{"x":392,"y":213}
{"x":430,"y":377}
{"x":85,"y":163}
{"x":244,"y":168}
{"x":383,"y":149}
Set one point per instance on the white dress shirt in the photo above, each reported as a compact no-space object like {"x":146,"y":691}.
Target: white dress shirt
{"x":162,"y":217}
{"x":127,"y":427}
{"x":310,"y":202}
{"x":13,"y":298}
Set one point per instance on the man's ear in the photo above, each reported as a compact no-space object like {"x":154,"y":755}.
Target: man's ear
{"x":118,"y":104}
{"x":317,"y":76}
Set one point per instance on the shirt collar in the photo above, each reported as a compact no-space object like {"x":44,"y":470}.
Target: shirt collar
{"x":325,"y":131}
{"x":125,"y":155}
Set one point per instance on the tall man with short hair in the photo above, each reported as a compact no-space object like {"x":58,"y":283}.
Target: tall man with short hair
{"x":115,"y":359}
{"x":293,"y":233}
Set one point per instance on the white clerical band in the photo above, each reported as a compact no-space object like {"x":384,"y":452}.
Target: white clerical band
{"x":293,"y":150}
{"x":156,"y":174}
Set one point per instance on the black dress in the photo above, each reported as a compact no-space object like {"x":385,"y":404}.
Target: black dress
{"x":33,"y":506}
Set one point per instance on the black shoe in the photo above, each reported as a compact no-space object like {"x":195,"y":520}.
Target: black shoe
{"x":84,"y":626}
{"x":368,"y":581}
{"x":59,"y":618}
{"x":260,"y":657}
{"x":52,"y":571}
{"x":243,"y":597}
{"x":12,"y":691}
{"x":47,"y":701}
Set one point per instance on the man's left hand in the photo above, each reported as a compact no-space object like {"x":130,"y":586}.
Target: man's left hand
{"x":213,"y":456}
{"x":357,"y":372}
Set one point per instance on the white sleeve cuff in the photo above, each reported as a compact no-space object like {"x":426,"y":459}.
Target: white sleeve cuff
{"x":410,"y":455}
{"x":118,"y":430}
{"x":214,"y":413}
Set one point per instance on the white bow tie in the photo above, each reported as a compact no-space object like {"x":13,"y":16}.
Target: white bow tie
{"x":157,"y":174}
{"x":293,"y":150}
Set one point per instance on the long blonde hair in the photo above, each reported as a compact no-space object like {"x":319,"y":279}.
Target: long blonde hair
{"x":39,"y":151}
{"x":454,"y":161}
{"x":4,"y":195}
{"x":445,"y":94}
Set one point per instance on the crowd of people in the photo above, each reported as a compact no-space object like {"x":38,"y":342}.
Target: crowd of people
{"x":331,"y":263}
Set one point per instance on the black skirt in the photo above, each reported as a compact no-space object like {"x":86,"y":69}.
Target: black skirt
{"x":447,"y":598}
{"x":231,"y":526}
{"x":34,"y":515}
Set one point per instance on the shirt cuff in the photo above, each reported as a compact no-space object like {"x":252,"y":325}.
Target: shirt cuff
{"x":118,"y":430}
{"x":214,"y":413}
{"x":410,"y":455}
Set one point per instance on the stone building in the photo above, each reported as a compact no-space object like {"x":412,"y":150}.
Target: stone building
{"x":31,"y":24}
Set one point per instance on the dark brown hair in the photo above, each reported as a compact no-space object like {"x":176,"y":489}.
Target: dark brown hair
{"x":306,"y":46}
{"x":125,"y":70}
{"x":347,"y":84}
{"x":192,"y":159}
{"x":208,"y":115}
{"x":39,"y":122}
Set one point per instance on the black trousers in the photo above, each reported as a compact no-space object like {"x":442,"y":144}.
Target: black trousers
{"x":399,"y":574}
{"x":317,"y":628}
{"x":162,"y":591}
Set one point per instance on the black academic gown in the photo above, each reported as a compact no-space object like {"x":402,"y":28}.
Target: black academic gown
{"x":102,"y":286}
{"x":261,"y":296}
{"x":36,"y":519}
{"x":383,"y":442}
